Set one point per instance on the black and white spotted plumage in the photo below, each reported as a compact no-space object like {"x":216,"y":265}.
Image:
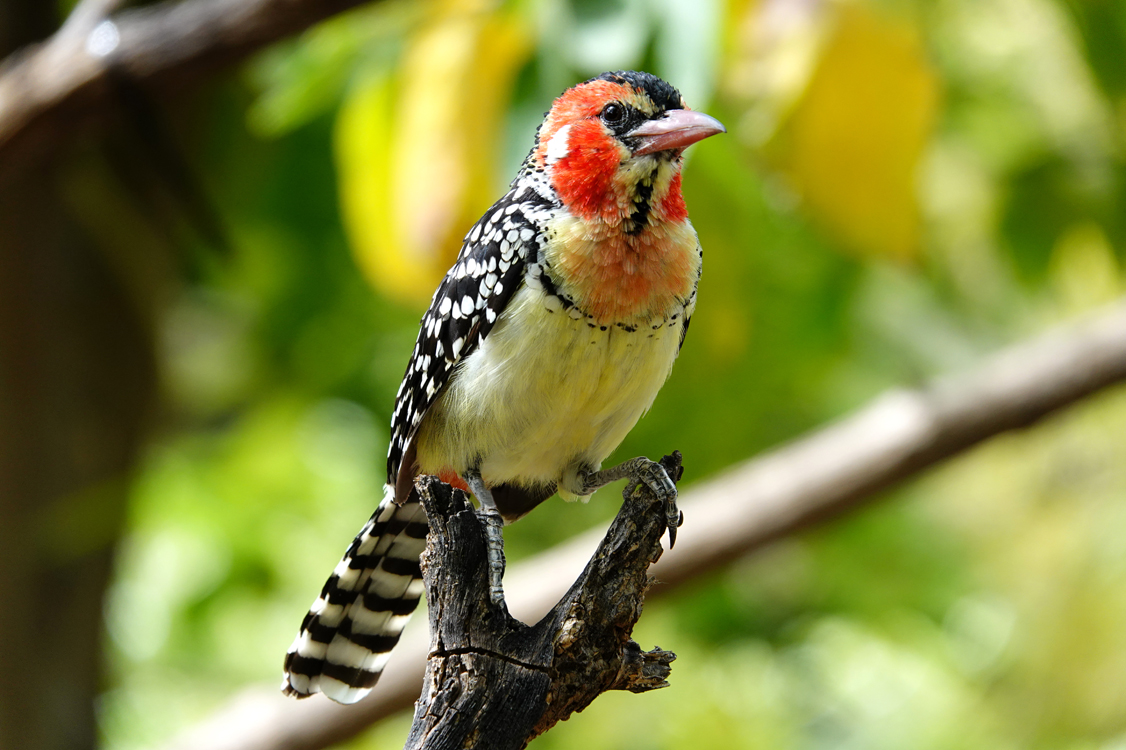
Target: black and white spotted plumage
{"x":526,"y":375}
{"x":492,"y":264}
{"x":349,"y":632}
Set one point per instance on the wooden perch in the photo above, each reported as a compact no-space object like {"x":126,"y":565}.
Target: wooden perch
{"x":494,"y":682}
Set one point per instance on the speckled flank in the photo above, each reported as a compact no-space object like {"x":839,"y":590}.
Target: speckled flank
{"x":550,"y":391}
{"x":469,"y":300}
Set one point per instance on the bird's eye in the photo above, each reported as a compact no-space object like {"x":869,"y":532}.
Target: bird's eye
{"x":613,"y":114}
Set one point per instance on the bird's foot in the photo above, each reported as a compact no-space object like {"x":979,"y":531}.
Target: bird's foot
{"x":494,"y":543}
{"x":642,"y":471}
{"x":494,"y":538}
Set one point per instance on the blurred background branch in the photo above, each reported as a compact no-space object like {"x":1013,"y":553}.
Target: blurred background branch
{"x":53,"y":89}
{"x":813,"y":480}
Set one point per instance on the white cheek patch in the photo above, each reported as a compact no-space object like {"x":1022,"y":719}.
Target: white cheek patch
{"x":559,"y":145}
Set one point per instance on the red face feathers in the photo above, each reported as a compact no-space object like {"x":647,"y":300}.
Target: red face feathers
{"x":612,"y":147}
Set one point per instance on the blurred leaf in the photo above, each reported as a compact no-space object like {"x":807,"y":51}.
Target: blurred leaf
{"x":416,"y":149}
{"x":1084,"y":270}
{"x":1045,"y":199}
{"x":604,"y":32}
{"x":306,"y":77}
{"x":1102,"y":24}
{"x":685,"y":48}
{"x":852,"y":144}
{"x":302,"y":80}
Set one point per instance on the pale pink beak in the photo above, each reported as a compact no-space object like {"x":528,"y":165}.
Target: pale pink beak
{"x":678,"y":129}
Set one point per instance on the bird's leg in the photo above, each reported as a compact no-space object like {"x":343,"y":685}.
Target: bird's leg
{"x":494,"y":539}
{"x":640,"y":471}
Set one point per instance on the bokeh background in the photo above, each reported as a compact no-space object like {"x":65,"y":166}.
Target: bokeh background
{"x":906,"y":186}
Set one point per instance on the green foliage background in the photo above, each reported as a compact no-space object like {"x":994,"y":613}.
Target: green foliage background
{"x":982,"y":606}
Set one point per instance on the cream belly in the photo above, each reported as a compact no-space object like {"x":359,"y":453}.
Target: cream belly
{"x":547,"y":395}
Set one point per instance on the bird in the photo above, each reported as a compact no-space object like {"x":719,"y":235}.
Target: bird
{"x":543,"y":345}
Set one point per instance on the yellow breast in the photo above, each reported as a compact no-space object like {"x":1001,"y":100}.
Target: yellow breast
{"x":547,"y":394}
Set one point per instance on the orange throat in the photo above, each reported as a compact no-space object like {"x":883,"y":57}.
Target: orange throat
{"x":619,"y":277}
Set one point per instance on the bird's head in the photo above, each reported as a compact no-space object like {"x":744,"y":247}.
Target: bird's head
{"x":612,"y":148}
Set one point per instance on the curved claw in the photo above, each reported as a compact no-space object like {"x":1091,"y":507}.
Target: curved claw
{"x":675,"y":519}
{"x":658,"y":480}
{"x":653,"y":475}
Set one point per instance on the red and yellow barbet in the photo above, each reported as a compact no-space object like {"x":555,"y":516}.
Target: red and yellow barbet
{"x":542,"y":347}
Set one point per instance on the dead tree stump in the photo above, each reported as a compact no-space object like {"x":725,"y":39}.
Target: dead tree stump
{"x":494,"y":682}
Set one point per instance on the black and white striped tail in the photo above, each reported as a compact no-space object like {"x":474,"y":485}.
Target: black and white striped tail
{"x":348,"y":635}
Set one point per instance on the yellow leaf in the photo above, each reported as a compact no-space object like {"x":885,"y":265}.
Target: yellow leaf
{"x":417,"y":149}
{"x":363,"y":152}
{"x":1083,"y":269}
{"x":852,"y":143}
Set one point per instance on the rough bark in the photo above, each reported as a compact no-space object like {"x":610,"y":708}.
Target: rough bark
{"x":494,"y":682}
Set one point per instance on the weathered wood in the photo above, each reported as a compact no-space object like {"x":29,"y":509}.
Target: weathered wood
{"x":494,"y":682}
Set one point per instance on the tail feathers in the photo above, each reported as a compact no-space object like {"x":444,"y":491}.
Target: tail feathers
{"x":348,"y":635}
